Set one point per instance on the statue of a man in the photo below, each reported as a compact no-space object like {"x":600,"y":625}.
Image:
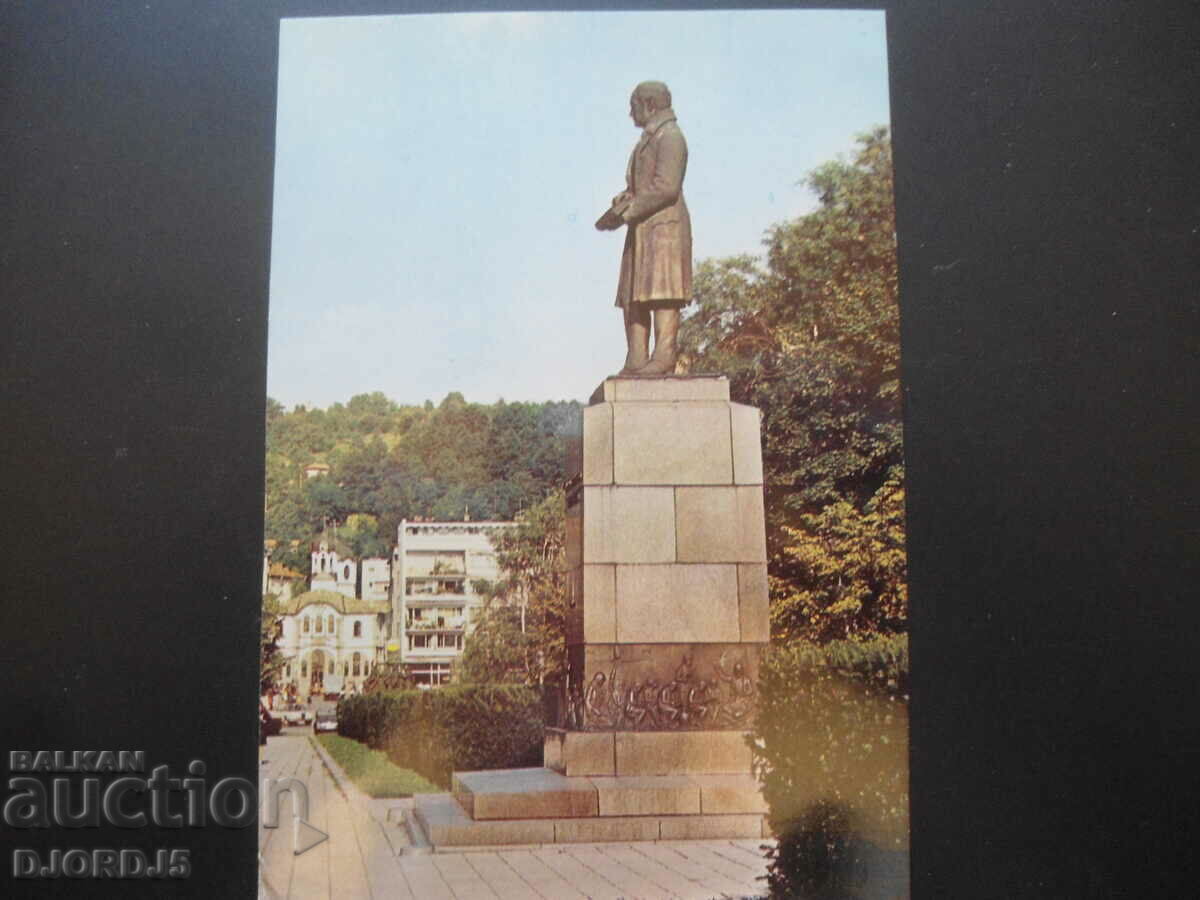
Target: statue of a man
{"x":656,"y":265}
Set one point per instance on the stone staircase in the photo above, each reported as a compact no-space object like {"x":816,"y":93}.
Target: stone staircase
{"x":542,"y":806}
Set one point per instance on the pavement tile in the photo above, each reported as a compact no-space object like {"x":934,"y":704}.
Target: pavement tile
{"x":539,"y":876}
{"x":630,"y":883}
{"x":462,"y":878}
{"x":587,"y":880}
{"x":669,"y":880}
{"x":715,"y":881}
{"x":704,"y":852}
{"x":501,"y":877}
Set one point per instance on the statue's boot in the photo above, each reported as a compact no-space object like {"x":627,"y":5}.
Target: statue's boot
{"x":637,"y":339}
{"x":666,"y":331}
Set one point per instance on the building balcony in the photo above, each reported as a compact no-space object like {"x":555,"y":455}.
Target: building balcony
{"x":437,"y":601}
{"x":434,"y":627}
{"x":431,"y":654}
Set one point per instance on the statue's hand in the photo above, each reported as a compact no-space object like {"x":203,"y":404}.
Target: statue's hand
{"x":609,"y":222}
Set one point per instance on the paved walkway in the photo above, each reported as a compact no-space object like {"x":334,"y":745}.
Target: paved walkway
{"x":360,"y":858}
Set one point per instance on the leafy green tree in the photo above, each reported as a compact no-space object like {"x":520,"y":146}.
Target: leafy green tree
{"x":324,"y":501}
{"x":361,"y":537}
{"x":497,"y":650}
{"x":522,"y":632}
{"x":271,"y":660}
{"x":851,"y":566}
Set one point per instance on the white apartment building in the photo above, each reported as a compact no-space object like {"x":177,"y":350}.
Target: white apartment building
{"x":376,"y":580}
{"x":433,"y":601}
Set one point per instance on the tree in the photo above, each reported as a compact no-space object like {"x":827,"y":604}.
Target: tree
{"x":521,"y":633}
{"x":811,"y":337}
{"x":852,"y":571}
{"x":361,"y":538}
{"x":271,"y":661}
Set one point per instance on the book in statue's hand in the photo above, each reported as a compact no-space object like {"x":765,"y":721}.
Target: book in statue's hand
{"x":612,"y":220}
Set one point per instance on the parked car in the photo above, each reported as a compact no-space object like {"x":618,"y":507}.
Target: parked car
{"x":268,"y":725}
{"x":325,"y":721}
{"x":295,"y":715}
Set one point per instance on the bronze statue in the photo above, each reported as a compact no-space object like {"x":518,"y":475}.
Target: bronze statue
{"x":656,"y":265}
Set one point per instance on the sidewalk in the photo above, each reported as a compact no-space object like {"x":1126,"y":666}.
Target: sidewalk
{"x":361,"y":859}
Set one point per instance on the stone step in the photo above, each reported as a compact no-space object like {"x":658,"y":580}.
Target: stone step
{"x":524,"y":794}
{"x":594,"y":753}
{"x":448,"y":826}
{"x":510,"y":794}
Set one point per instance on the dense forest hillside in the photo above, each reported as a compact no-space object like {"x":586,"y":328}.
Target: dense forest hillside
{"x":389,"y":462}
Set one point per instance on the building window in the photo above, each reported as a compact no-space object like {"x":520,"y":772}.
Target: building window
{"x":304,"y":669}
{"x":320,"y":624}
{"x":358,"y":629}
{"x":357,"y":668}
{"x":346,"y":573}
{"x":345,"y":668}
{"x":306,"y":624}
{"x":322,"y":564}
{"x":331,"y":629}
{"x":331,"y":665}
{"x":287,"y":671}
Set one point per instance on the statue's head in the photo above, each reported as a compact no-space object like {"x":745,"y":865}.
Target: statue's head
{"x":648,"y":98}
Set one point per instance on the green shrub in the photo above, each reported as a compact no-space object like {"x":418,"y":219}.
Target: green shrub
{"x":453,"y":728}
{"x":831,"y":748}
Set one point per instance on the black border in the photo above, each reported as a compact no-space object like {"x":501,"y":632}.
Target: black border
{"x":1047,"y":219}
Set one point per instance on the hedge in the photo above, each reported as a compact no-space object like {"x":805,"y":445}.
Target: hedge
{"x":453,"y":728}
{"x":830,"y":746}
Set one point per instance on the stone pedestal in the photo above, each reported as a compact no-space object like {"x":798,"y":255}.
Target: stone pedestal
{"x":667,"y":612}
{"x":666,"y":619}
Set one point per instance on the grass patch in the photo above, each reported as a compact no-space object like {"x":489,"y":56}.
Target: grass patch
{"x":372,"y":771}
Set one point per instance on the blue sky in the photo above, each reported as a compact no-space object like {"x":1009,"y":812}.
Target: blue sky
{"x":437,"y":177}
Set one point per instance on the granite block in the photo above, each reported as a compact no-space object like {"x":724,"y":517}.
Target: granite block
{"x":579,"y":753}
{"x":524,"y":794}
{"x":747,"y":444}
{"x":613,"y":828}
{"x":720,"y":524}
{"x":662,"y":388}
{"x":729,"y":794}
{"x":628,"y":525}
{"x":681,"y":753}
{"x":597,"y":466}
{"x":676,"y":603}
{"x":672,"y":443}
{"x":696,"y":828}
{"x":754,"y":613}
{"x":648,"y":795}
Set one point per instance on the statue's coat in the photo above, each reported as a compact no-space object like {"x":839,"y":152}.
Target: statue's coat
{"x":657,"y":261}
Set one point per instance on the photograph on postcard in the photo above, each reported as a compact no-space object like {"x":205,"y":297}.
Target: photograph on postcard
{"x":584,"y":501}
